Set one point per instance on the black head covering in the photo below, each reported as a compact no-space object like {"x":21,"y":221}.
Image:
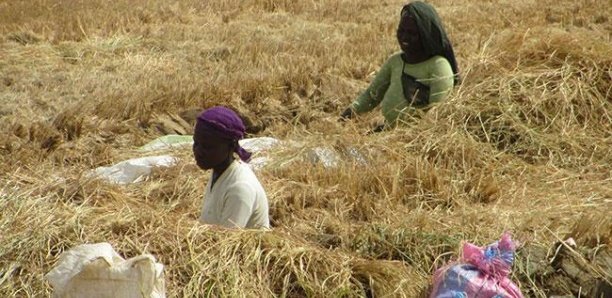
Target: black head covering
{"x":432,"y":34}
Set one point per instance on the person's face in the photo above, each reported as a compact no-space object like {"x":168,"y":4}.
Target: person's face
{"x":209,"y":150}
{"x":408,"y":36}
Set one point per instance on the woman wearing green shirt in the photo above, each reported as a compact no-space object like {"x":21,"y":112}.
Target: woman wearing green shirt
{"x":422,"y":74}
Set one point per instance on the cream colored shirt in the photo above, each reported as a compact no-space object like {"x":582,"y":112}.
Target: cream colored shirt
{"x":237,"y":199}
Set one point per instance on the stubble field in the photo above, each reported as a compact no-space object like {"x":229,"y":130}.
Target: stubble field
{"x":524,"y":144}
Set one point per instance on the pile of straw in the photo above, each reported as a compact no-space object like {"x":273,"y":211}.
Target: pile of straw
{"x":523,"y":144}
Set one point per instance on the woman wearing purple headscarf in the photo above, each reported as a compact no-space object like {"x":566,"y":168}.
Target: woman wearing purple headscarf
{"x":234,"y":197}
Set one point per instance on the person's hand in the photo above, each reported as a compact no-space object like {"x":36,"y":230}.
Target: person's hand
{"x":346,"y":115}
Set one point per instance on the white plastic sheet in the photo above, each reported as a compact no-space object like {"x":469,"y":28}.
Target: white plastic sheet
{"x":133,"y":170}
{"x":97,"y":271}
{"x":258,"y":144}
{"x":253,"y":145}
{"x":168,"y":142}
{"x":331,"y":158}
{"x":327,"y":157}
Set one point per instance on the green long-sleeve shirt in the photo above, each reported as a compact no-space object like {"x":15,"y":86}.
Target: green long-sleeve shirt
{"x":386,"y":88}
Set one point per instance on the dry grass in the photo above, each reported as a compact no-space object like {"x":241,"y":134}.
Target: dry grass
{"x":523,"y":144}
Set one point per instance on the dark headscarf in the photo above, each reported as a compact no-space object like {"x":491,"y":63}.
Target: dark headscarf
{"x":432,"y":33}
{"x":224,"y":123}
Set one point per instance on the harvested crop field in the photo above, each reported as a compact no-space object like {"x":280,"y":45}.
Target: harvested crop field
{"x":524,"y":144}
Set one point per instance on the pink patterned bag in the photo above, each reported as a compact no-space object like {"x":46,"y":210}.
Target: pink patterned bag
{"x":481,"y":272}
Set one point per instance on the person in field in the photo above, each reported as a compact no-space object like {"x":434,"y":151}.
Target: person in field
{"x":422,"y":74}
{"x":234,"y":197}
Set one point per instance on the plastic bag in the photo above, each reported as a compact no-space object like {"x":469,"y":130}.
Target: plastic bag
{"x":481,"y":272}
{"x":97,"y":271}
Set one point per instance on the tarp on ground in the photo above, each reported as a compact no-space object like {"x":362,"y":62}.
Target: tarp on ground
{"x":132,"y":170}
{"x":253,"y":145}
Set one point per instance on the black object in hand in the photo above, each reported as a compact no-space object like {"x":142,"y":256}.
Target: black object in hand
{"x":378,"y":128}
{"x":347,"y":114}
{"x":415,"y":92}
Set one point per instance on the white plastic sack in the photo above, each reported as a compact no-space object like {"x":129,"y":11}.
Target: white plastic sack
{"x":133,"y":170}
{"x":97,"y":271}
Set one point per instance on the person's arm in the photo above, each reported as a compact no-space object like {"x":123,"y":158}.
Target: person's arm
{"x":238,"y":206}
{"x":441,"y":82}
{"x":375,"y":93}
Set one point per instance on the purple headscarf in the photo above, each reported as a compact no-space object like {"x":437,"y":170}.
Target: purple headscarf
{"x":224,"y":123}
